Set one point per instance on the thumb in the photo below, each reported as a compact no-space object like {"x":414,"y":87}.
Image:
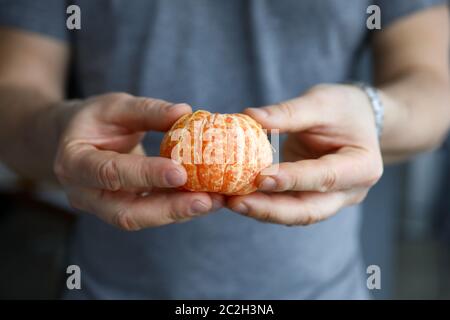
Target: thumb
{"x":293,"y":115}
{"x":139,"y":150}
{"x":144,"y":114}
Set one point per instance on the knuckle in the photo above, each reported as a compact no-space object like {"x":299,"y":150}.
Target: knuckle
{"x":287,"y":108}
{"x":311,"y":218}
{"x":179,"y":214}
{"x":328,"y":181}
{"x":148,"y":176}
{"x":145,"y":104}
{"x":265,"y":216}
{"x":118,"y":96}
{"x":108,"y":175}
{"x":306,"y":220}
{"x":183,"y":220}
{"x":125,"y":221}
{"x":294,"y":183}
{"x":289,"y":180}
{"x":176,"y":210}
{"x":310,"y":213}
{"x":308,"y":216}
{"x":107,"y":104}
{"x":287,"y":183}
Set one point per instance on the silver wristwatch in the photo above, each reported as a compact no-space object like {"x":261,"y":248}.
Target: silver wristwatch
{"x":376,"y":104}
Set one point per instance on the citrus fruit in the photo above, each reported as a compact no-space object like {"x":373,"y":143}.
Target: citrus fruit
{"x":221,"y":153}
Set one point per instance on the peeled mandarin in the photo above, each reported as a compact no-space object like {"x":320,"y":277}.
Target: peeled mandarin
{"x":221,"y":153}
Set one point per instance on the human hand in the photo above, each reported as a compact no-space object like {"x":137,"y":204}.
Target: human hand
{"x":333,"y":153}
{"x":103,"y":169}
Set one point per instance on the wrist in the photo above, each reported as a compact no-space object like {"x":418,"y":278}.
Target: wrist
{"x":396,"y":115}
{"x":61,"y":114}
{"x":41,"y":131}
{"x":376,"y":104}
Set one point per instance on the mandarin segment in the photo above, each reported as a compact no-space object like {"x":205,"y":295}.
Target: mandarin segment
{"x":221,"y":153}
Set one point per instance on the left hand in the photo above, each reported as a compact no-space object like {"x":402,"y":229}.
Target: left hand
{"x":333,"y":153}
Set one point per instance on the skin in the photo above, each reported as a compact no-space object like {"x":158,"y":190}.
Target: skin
{"x":92,"y":147}
{"x":332,"y":146}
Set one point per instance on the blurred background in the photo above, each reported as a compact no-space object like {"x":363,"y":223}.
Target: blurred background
{"x":406,"y":228}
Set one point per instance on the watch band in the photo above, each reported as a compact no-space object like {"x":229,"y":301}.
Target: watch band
{"x":375,"y":103}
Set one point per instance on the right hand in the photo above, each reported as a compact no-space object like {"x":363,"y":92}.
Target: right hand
{"x":103,"y":169}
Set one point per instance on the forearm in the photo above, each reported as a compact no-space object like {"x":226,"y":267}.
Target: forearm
{"x":32,"y":81}
{"x":417,"y":114}
{"x":30,"y":123}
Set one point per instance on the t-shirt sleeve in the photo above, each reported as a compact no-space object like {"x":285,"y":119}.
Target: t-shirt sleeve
{"x":47,"y":17}
{"x":392,"y":10}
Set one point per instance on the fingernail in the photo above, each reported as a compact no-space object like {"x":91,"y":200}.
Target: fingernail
{"x":267,"y":184}
{"x":241,"y":208}
{"x":174,"y":177}
{"x":260,"y":112}
{"x":199,"y":207}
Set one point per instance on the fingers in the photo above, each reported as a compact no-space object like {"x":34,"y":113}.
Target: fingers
{"x":349,"y":168}
{"x":288,"y":116}
{"x":328,"y":110}
{"x":139,"y":150}
{"x":142,"y":114}
{"x":132,"y":212}
{"x":289,"y":208}
{"x":218,"y":201}
{"x":84,"y":165}
{"x":114,"y":122}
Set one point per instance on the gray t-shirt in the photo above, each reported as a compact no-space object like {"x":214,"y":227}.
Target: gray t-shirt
{"x":222,"y":56}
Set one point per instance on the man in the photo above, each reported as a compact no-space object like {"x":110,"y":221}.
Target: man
{"x":137,"y":66}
